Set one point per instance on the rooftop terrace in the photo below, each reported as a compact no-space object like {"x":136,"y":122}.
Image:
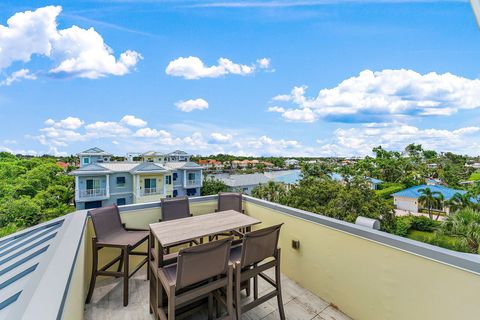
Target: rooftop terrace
{"x":367,"y":274}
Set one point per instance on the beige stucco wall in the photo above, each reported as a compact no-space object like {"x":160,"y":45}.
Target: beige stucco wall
{"x":368,"y":280}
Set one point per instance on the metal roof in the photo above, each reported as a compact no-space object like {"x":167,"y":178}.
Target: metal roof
{"x":413,"y":192}
{"x":182,"y":165}
{"x":94,"y":152}
{"x":147,"y":167}
{"x":178,"y":153}
{"x":152,"y":154}
{"x":20,"y":255}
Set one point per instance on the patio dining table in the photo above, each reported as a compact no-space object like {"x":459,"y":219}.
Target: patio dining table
{"x":174,"y":232}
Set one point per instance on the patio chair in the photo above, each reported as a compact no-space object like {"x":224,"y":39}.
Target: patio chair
{"x":230,"y":201}
{"x":176,"y":208}
{"x":201,"y":272}
{"x":111,"y":233}
{"x":248,"y":260}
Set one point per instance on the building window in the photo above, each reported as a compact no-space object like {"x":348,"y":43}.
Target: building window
{"x":175,"y":193}
{"x":168,"y":179}
{"x":86,"y":160}
{"x":121,"y":201}
{"x":150,"y":185}
{"x":120,"y":181}
{"x":93,"y":184}
{"x":175,"y":176}
{"x":191,"y":176}
{"x":191,"y":192}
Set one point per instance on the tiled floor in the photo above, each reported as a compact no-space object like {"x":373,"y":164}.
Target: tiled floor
{"x":300,"y":304}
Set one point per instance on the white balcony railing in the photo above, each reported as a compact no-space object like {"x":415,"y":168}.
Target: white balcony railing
{"x":151,"y":191}
{"x":192,"y":183}
{"x":92,"y":193}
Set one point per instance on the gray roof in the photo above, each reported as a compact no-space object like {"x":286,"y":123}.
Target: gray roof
{"x":178,"y":153}
{"x":20,"y":255}
{"x":152,"y":154}
{"x":148,"y":167}
{"x":183,"y":165}
{"x":93,"y":168}
{"x":94,"y":152}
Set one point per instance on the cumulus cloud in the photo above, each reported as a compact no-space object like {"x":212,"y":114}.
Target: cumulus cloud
{"x":220,"y":137}
{"x":385,"y":94}
{"x":22,"y":74}
{"x":133,"y":121}
{"x":75,"y":51}
{"x":152,"y":133}
{"x":361,"y":140}
{"x":193,"y":68}
{"x":106,"y":129}
{"x":192,"y":104}
{"x":71,"y":123}
{"x":276,"y":109}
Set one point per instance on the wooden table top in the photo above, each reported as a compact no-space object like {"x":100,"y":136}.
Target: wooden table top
{"x":173,"y":232}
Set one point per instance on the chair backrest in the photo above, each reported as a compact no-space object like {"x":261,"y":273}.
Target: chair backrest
{"x":202,"y":262}
{"x":259,"y":245}
{"x":229,"y":201}
{"x":175,"y":208}
{"x":106,"y":221}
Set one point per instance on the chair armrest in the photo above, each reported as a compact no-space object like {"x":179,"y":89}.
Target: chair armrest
{"x":132,"y":229}
{"x":163,"y":279}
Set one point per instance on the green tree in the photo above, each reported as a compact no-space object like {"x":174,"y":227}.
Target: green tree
{"x":459,"y":201}
{"x":271,"y":191}
{"x":212,"y":186}
{"x":465,"y":225}
{"x":430,"y":199}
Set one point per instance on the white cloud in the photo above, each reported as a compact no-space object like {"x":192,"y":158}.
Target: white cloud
{"x":192,"y":104}
{"x":387,"y":93}
{"x":18,"y":76}
{"x":152,"y":133}
{"x":78,"y":52}
{"x":71,"y":123}
{"x":276,"y":109}
{"x":106,"y":129}
{"x":361,"y":140}
{"x":194,"y":68}
{"x":133,"y":121}
{"x":218,"y":137}
{"x":263,"y":63}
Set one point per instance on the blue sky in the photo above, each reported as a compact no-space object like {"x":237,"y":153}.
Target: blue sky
{"x":309,"y":78}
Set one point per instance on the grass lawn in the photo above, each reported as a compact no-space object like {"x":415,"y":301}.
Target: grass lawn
{"x":446,"y":242}
{"x":474,"y":176}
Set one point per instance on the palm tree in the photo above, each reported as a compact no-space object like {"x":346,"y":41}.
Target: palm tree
{"x":459,"y":201}
{"x":272,"y":191}
{"x":430,"y":199}
{"x":464,"y":224}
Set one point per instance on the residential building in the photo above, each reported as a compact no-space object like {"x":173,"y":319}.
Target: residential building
{"x":102,"y":182}
{"x":374,"y":183}
{"x":292,"y":163}
{"x":245,"y":183}
{"x":93,"y":155}
{"x":211,"y":164}
{"x":407,"y":199}
{"x":178,"y":156}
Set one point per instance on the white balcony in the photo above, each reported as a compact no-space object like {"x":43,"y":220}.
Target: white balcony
{"x":92,"y":193}
{"x":192,"y":183}
{"x":151,"y":191}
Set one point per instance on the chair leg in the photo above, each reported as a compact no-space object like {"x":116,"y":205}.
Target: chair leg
{"x":210,"y":306}
{"x":125,"y":276}
{"x":279,"y":288}
{"x":238,"y":304}
{"x":230,"y":293}
{"x":94,"y":272}
{"x":171,"y":304}
{"x":255,"y":288}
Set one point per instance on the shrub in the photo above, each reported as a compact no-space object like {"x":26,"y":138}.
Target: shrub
{"x":423,"y":223}
{"x":388,"y":189}
{"x":403,"y":225}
